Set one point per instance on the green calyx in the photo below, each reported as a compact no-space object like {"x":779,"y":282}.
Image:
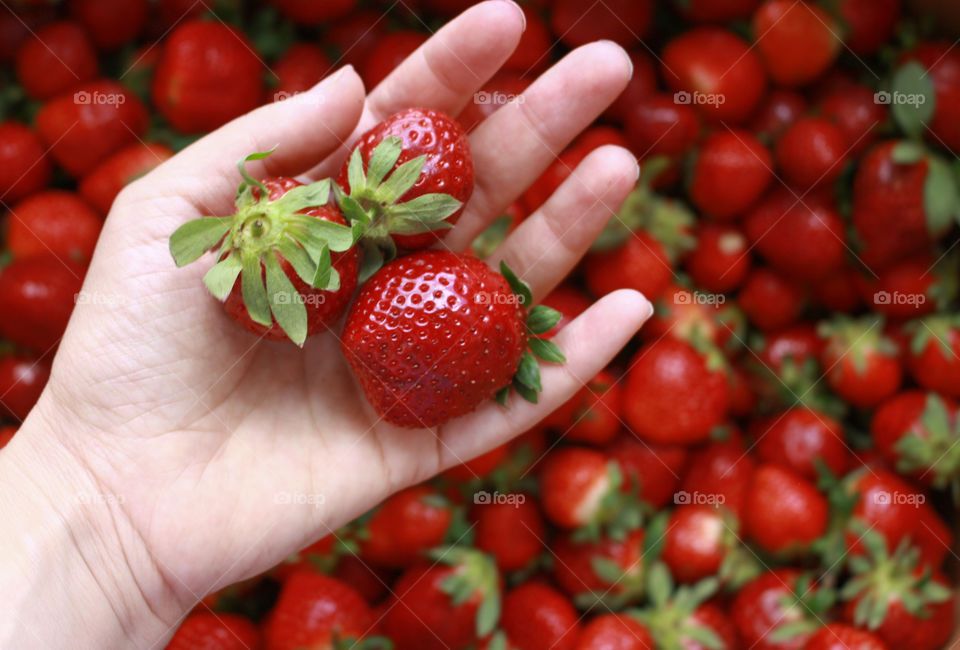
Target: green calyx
{"x":804,"y":609}
{"x":619,"y":512}
{"x":937,"y":328}
{"x":858,"y":338}
{"x":475,"y":575}
{"x":941,"y":188}
{"x":372,"y":206}
{"x":540,"y":320}
{"x":881,"y":578}
{"x":254,"y":239}
{"x":935,"y":452}
{"x":669,"y":613}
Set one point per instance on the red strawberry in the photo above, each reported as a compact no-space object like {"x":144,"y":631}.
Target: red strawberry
{"x":22,"y":379}
{"x":840,"y":636}
{"x":371,"y":583}
{"x":104,"y":182}
{"x":299,"y":69}
{"x":53,"y":222}
{"x":56,"y":58}
{"x":614,"y":632}
{"x":721,"y":260}
{"x":441,"y":299}
{"x":770,"y":300}
{"x":592,"y":416}
{"x":856,"y":113}
{"x":316,"y":611}
{"x":567,"y":300}
{"x":387,"y":53}
{"x":797,"y":40}
{"x":356,"y":34}
{"x":800,"y":439}
{"x":404,"y":527}
{"x":24,"y":166}
{"x":909,"y":288}
{"x":609,"y":570}
{"x":538,"y":617}
{"x":732,"y":171}
{"x":777,"y":112}
{"x":83,"y":128}
{"x":275,"y":269}
{"x":868,"y":24}
{"x":207,"y":75}
{"x":580,"y":487}
{"x":768,"y":604}
{"x":715,"y":11}
{"x":933,"y":359}
{"x":674,"y":393}
{"x":641,"y":264}
{"x":215,"y":631}
{"x":512,"y":532}
{"x":652,"y":469}
{"x":812,"y":152}
{"x":695,"y":318}
{"x":696,"y":542}
{"x":657,"y":125}
{"x":917,"y":433}
{"x":621,"y":21}
{"x":41,"y":291}
{"x":942,"y":63}
{"x":885,"y":504}
{"x":479,"y":467}
{"x":784,"y":513}
{"x":425,"y":158}
{"x":715,"y":71}
{"x":111,"y":23}
{"x":863,"y":365}
{"x":443,"y":606}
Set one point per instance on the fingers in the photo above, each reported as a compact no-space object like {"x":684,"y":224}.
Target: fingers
{"x":513,"y":146}
{"x":589,"y":343}
{"x":550,"y":242}
{"x":304,"y":129}
{"x":445,"y":71}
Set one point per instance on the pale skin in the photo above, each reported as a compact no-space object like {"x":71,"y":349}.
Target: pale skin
{"x":154,"y":468}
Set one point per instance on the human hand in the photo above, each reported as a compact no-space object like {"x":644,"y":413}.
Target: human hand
{"x":191,"y":431}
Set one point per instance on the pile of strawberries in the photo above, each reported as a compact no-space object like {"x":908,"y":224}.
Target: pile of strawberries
{"x":772,"y":464}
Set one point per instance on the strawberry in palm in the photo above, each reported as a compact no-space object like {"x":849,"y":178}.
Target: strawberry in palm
{"x":433,"y":334}
{"x":287,"y":264}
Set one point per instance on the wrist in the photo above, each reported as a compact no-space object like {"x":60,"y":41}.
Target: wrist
{"x":75,"y":572}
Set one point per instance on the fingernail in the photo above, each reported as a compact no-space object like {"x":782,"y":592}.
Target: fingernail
{"x":523,"y":16}
{"x":339,"y":73}
{"x":622,"y":51}
{"x":646,"y":307}
{"x":638,"y":170}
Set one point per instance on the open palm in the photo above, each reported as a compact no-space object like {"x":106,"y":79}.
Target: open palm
{"x":217,"y":453}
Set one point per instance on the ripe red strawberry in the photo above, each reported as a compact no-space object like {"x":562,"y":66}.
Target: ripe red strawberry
{"x":777,"y":112}
{"x":609,"y":570}
{"x":54,"y":222}
{"x":770,"y":300}
{"x":22,"y":379}
{"x":657,"y":125}
{"x":802,"y":438}
{"x":111,"y":23}
{"x":621,"y":21}
{"x":538,"y":617}
{"x":580,"y":487}
{"x":856,"y":113}
{"x":886,"y":504}
{"x":721,"y":260}
{"x":207,"y":75}
{"x":721,"y":469}
{"x":370,"y":582}
{"x":41,"y":291}
{"x":355,"y":35}
{"x":614,"y":632}
{"x":215,"y":631}
{"x":768,"y":604}
{"x":299,"y":69}
{"x":797,"y":40}
{"x":812,"y":152}
{"x":916,"y":433}
{"x":868,"y":24}
{"x":447,"y":605}
{"x":592,"y":415}
{"x":24,"y":166}
{"x":413,"y":311}
{"x":102,"y":184}
{"x":411,"y":174}
{"x":696,"y":541}
{"x":685,"y":315}
{"x":784,"y":513}
{"x":933,"y":359}
{"x":840,"y":636}
{"x":512,"y":532}
{"x":942,"y":63}
{"x":653,"y":470}
{"x":404,"y":527}
{"x":387,"y":53}
{"x":732,"y":171}
{"x":674,"y":393}
{"x":890,"y":594}
{"x":286,"y":265}
{"x":715,"y":71}
{"x":640,"y":263}
{"x":863,"y":365}
{"x":56,"y":58}
{"x":316,"y":611}
{"x":83,"y":128}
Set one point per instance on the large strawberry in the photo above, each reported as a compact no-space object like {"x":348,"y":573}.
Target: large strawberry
{"x":286,"y":261}
{"x":862,"y":363}
{"x":24,"y":166}
{"x":538,"y":617}
{"x":802,"y":438}
{"x":512,"y":532}
{"x":779,"y":610}
{"x":784,"y":513}
{"x":610,"y":570}
{"x":53,"y":222}
{"x":933,"y":360}
{"x":409,"y":176}
{"x":404,"y":527}
{"x":433,"y":334}
{"x":620,"y":631}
